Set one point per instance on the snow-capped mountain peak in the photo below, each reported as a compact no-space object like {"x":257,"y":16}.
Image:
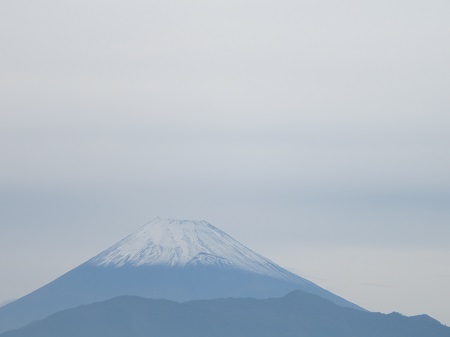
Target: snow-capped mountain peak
{"x":186,"y":243}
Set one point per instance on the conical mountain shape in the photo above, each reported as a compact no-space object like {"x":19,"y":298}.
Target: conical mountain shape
{"x":172,"y":259}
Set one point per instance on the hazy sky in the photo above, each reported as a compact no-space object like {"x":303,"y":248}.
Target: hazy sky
{"x":313,"y":131}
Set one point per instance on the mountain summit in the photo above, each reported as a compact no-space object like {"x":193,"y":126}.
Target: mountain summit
{"x":184,"y":243}
{"x":178,"y":260}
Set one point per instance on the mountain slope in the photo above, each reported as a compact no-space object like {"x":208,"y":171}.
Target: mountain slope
{"x":297,"y":314}
{"x":173,"y":259}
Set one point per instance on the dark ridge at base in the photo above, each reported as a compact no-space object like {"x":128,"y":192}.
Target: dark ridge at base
{"x":297,"y":314}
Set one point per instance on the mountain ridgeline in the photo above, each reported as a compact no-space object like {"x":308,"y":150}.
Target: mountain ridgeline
{"x":296,"y":314}
{"x":175,"y":278}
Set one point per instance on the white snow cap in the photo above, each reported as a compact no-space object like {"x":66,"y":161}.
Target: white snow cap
{"x":186,"y":243}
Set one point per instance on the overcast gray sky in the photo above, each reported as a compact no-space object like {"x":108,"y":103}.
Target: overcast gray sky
{"x":315,"y":132}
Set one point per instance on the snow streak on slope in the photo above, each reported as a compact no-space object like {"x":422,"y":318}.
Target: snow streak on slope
{"x":187,"y":243}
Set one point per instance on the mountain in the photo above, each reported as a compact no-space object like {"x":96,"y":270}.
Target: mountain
{"x":296,"y":314}
{"x":171,"y":259}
